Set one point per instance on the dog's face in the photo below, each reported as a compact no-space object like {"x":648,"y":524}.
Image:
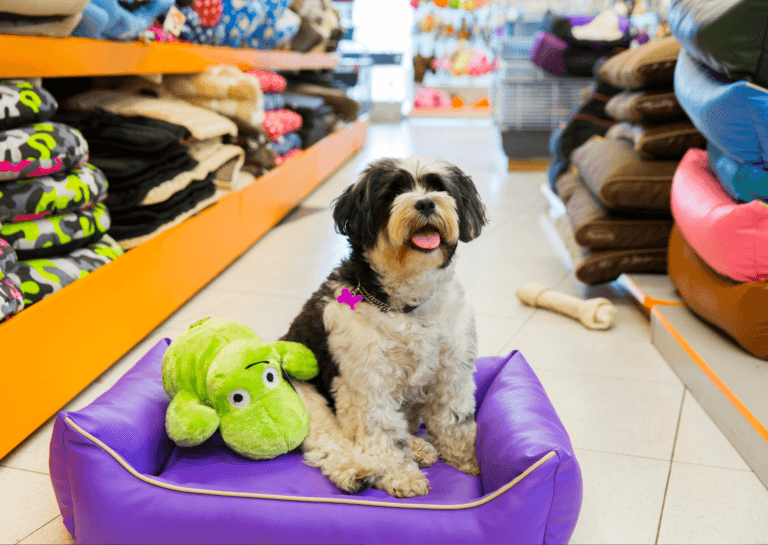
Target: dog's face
{"x":408,"y":215}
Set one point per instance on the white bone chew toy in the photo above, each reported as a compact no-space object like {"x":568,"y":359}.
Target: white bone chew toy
{"x":596,"y":313}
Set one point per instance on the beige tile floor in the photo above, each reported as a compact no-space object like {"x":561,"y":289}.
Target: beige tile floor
{"x":656,"y":469}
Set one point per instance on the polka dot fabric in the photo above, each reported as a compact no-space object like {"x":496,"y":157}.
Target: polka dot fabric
{"x":193,"y":30}
{"x":269,"y":81}
{"x":209,"y":12}
{"x":278,"y":123}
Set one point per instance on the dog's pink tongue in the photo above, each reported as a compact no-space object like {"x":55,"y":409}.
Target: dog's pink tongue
{"x":428,"y":242}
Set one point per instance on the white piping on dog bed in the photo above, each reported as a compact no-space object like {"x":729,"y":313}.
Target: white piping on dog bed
{"x":438,"y":507}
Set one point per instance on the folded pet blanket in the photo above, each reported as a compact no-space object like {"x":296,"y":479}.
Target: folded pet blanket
{"x":596,"y":228}
{"x":43,"y":8}
{"x":39,"y":278}
{"x":57,"y":26}
{"x":40,"y":149}
{"x":201,"y":123}
{"x":644,"y":105}
{"x":269,"y":81}
{"x":143,"y":220}
{"x":669,"y":141}
{"x":196,"y":31}
{"x":274,"y":101}
{"x":650,"y":64}
{"x":240,"y":20}
{"x":117,"y":134}
{"x":55,"y":194}
{"x":56,"y":235}
{"x":607,"y":265}
{"x":223,"y":82}
{"x":286,"y":143}
{"x":622,"y":180}
{"x":278,"y":123}
{"x":23,"y":103}
{"x":277,"y":30}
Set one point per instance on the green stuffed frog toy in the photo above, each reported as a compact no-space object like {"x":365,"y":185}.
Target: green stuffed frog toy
{"x":220,"y":375}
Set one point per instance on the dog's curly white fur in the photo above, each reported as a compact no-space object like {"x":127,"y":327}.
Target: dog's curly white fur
{"x":382,"y":375}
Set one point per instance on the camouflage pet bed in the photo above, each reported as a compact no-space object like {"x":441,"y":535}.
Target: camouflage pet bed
{"x":39,"y":278}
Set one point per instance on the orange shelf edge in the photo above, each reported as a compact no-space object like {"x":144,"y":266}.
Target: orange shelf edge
{"x":41,"y":56}
{"x":59,"y":346}
{"x":465,"y":111}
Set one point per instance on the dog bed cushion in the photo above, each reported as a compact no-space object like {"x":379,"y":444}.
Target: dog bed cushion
{"x":731,"y":115}
{"x":274,"y":34}
{"x":195,"y":31}
{"x":742,"y":181}
{"x":201,"y":123}
{"x":644,"y":105}
{"x":616,"y":174}
{"x":730,"y":37}
{"x":240,"y":20}
{"x":39,"y":278}
{"x":23,"y":103}
{"x":731,"y":238}
{"x":274,"y":101}
{"x":43,"y":8}
{"x":223,"y":82}
{"x":11,"y":299}
{"x":668,"y":141}
{"x":649,"y":64}
{"x":286,"y":143}
{"x":57,"y":26}
{"x":270,"y":82}
{"x":548,"y":52}
{"x":278,"y":123}
{"x":126,"y":172}
{"x":596,"y":228}
{"x":121,"y":134}
{"x":114,"y":457}
{"x":40,"y":149}
{"x":7,"y":258}
{"x":736,"y":308}
{"x":56,"y":235}
{"x":58,"y":193}
{"x":599,"y":266}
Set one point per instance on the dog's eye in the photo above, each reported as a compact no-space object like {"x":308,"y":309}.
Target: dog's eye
{"x":239,"y":398}
{"x":270,"y":377}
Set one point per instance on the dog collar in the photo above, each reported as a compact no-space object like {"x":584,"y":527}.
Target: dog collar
{"x":391,"y":311}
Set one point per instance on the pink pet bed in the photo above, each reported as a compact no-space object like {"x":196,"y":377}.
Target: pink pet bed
{"x":731,"y":238}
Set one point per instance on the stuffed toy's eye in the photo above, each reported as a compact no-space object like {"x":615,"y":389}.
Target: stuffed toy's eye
{"x":270,"y":377}
{"x":239,"y":398}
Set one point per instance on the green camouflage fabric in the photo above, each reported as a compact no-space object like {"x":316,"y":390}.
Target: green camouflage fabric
{"x":55,"y":235}
{"x":7,"y":258}
{"x":23,"y":103}
{"x":38,"y":278}
{"x":11,"y":299}
{"x":40,"y":149}
{"x":58,"y":193}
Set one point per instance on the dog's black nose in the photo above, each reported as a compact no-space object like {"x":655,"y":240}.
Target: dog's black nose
{"x":425,"y":206}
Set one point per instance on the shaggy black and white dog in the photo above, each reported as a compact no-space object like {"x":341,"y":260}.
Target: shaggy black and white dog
{"x":405,"y":353}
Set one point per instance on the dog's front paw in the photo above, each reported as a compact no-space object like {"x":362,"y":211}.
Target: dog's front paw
{"x":472,"y":468}
{"x":352,"y":471}
{"x":404,"y":482}
{"x":423,"y":452}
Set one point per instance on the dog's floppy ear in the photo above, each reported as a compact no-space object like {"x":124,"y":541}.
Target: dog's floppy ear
{"x":470,"y":208}
{"x":355,"y":210}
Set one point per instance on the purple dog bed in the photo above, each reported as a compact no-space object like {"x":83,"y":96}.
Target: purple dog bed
{"x":119,"y":479}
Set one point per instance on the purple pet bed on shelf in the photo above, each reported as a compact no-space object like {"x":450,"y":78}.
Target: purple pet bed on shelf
{"x":119,"y":479}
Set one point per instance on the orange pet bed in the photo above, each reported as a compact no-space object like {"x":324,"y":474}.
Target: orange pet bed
{"x":737,"y":308}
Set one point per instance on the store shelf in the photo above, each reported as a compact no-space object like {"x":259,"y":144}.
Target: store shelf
{"x":728,"y":382}
{"x":57,"y":347}
{"x":649,"y":290}
{"x":40,"y":56}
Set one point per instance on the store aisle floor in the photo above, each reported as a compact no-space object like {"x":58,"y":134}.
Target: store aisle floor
{"x":655,"y":466}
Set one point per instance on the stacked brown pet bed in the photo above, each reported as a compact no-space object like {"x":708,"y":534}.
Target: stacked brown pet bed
{"x":617,"y":191}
